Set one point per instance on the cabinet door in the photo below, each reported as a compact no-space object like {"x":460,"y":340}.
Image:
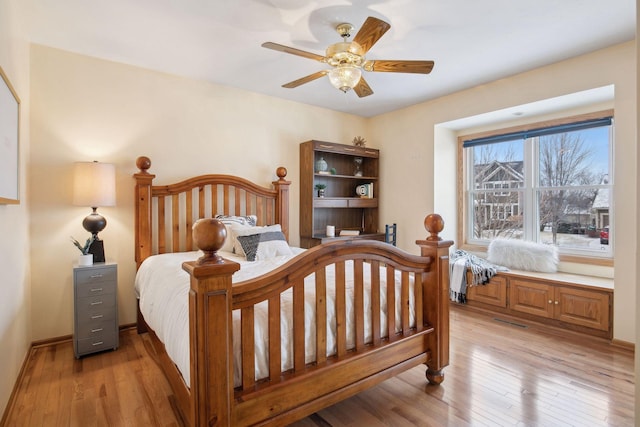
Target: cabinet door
{"x":582,"y":307}
{"x":494,"y":292}
{"x":531,"y":297}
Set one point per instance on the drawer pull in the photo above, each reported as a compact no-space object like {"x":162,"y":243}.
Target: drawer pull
{"x":96,"y":276}
{"x":98,"y":343}
{"x":93,"y":331}
{"x":325,"y":146}
{"x":98,"y":316}
{"x":96,"y":303}
{"x":96,"y":290}
{"x":349,"y":149}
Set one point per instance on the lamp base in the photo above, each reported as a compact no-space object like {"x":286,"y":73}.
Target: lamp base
{"x":97,"y":249}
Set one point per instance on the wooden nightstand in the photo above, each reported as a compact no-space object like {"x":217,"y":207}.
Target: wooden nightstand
{"x":95,"y":297}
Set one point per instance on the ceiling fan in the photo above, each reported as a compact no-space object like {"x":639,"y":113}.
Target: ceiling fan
{"x":348,"y":59}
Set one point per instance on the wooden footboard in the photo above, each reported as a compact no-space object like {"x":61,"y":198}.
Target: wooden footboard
{"x":285,"y":396}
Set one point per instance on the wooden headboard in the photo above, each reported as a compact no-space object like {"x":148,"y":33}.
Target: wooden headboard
{"x":164,"y":214}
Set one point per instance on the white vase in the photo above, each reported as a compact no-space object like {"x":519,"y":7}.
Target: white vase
{"x":85,"y":259}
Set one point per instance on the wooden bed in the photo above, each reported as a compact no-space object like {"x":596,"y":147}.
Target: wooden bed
{"x":164,"y":218}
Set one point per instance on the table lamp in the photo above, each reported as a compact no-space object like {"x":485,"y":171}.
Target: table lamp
{"x":94,"y":184}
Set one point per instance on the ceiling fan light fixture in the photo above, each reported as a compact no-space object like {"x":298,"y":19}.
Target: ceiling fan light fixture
{"x":345,"y":77}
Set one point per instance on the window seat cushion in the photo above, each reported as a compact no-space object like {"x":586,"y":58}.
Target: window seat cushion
{"x":522,"y":255}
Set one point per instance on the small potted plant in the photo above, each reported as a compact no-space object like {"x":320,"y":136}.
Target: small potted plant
{"x":86,"y":258}
{"x":320,"y":188}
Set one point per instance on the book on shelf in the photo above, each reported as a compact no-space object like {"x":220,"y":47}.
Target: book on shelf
{"x":349,"y":232}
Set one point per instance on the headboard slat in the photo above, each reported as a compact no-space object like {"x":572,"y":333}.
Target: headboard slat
{"x":175,"y":223}
{"x":189,"y":220}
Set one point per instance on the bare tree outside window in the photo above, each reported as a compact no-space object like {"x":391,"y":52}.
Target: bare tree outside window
{"x":565,"y":161}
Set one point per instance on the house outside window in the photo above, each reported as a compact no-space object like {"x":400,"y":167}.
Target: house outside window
{"x":549,"y":183}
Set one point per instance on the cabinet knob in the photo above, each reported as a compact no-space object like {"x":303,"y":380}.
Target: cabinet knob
{"x":557,"y":303}
{"x":550,"y":301}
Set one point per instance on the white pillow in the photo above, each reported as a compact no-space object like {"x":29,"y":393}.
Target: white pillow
{"x":523,"y":255}
{"x":234,"y":220}
{"x":260,"y":243}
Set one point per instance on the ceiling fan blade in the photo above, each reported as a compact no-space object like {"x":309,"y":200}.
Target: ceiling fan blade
{"x":306,"y":79}
{"x":370,"y":32}
{"x":362,"y":89}
{"x":390,"y":66}
{"x":293,"y":51}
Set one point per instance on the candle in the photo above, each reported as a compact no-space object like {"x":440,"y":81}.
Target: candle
{"x":331,"y":231}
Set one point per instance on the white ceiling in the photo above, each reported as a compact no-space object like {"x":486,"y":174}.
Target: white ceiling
{"x":471,"y":41}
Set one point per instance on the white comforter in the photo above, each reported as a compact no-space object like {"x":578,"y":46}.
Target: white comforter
{"x":163,"y":288}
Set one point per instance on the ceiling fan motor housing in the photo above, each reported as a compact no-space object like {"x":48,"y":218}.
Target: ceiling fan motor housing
{"x":345,"y":53}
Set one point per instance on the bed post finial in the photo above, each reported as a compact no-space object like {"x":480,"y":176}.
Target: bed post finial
{"x":209,"y":235}
{"x":281,"y":172}
{"x":282,"y":201}
{"x":434,"y":224}
{"x":143,"y":163}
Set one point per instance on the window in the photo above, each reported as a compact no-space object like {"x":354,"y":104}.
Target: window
{"x":550,"y":184}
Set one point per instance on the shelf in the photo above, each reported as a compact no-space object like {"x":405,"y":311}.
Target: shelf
{"x":328,"y":175}
{"x":345,"y":202}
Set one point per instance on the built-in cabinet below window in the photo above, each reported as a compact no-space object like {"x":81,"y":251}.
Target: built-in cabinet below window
{"x":578,"y":303}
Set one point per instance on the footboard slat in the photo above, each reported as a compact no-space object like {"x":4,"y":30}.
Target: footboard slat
{"x":298,"y":326}
{"x":375,"y":302}
{"x":391,"y":302}
{"x":419,"y":280}
{"x":275,"y":353}
{"x":404,"y":298}
{"x":321,"y":316}
{"x":341,"y":310}
{"x":248,"y":348}
{"x":359,"y":303}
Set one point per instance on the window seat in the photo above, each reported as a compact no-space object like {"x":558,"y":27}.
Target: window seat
{"x":569,"y":301}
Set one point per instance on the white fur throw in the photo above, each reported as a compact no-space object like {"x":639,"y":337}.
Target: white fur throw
{"x":522,"y":255}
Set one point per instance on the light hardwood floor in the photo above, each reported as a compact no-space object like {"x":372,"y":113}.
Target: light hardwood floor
{"x":500,"y":374}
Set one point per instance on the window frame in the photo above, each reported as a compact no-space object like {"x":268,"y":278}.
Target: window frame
{"x":463,"y":184}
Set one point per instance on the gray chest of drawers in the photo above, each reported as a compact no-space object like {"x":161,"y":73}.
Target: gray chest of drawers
{"x":95,"y":296}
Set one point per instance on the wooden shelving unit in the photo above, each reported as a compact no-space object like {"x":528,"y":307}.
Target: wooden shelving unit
{"x":341,"y":206}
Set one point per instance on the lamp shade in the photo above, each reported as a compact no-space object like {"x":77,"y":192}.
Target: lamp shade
{"x":345,"y":77}
{"x":94,"y":184}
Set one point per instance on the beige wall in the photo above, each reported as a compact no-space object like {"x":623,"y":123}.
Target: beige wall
{"x":86,"y":109}
{"x":15,"y":322}
{"x":411,"y":137}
